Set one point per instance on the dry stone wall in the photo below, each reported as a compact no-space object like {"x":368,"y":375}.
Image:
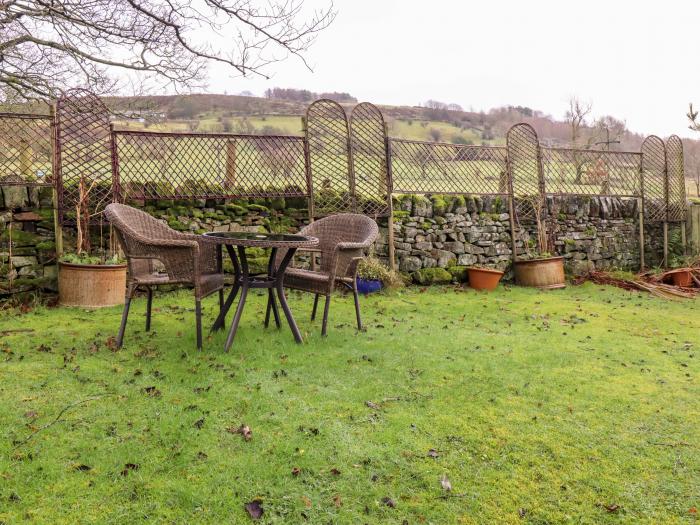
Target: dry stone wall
{"x":435,"y":231}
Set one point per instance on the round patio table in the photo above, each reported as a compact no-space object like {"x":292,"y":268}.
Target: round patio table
{"x":273,"y":280}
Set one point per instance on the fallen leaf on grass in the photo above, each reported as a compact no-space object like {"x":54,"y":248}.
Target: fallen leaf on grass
{"x":111,"y":343}
{"x":307,"y":502}
{"x":128,"y":467}
{"x":445,"y":482}
{"x":254,"y":509}
{"x":612,"y":508}
{"x":337,"y":501}
{"x":151,"y":391}
{"x":243,"y":430}
{"x":31,"y":414}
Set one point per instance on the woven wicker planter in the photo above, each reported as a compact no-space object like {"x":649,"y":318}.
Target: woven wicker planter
{"x":91,"y":285}
{"x":540,"y":273}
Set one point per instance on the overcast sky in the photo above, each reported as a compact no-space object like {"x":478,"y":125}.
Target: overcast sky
{"x":635,"y":60}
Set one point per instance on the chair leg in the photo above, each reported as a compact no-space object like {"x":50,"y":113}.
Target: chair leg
{"x":325,"y":314}
{"x":313,"y":312}
{"x":221,"y":306}
{"x":125,"y":316}
{"x":198,"y":316}
{"x":357,"y":307}
{"x":149,"y":303}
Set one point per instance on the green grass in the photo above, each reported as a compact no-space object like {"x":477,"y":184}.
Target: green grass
{"x":540,"y":407}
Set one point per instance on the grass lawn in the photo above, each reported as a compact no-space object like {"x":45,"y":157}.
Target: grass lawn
{"x":573,"y":406}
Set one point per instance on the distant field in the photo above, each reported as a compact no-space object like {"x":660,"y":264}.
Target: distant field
{"x":421,"y":130}
{"x":292,"y":125}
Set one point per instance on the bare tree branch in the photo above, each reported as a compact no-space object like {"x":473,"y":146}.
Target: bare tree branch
{"x":47,"y":46}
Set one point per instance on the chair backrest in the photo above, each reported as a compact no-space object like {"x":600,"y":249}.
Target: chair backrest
{"x":131,"y":222}
{"x":343,"y":227}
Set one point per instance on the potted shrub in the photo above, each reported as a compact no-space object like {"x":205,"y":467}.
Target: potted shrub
{"x":483,"y":278}
{"x":540,"y":268}
{"x":86,"y":280}
{"x":372,"y":276}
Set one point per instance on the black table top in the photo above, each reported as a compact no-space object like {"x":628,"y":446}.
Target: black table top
{"x":263,"y":240}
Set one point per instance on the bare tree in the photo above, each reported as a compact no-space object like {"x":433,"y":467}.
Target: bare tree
{"x":608,"y":130}
{"x":576,"y":118}
{"x":49,"y":45}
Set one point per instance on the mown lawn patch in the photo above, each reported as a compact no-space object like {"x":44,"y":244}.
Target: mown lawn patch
{"x":518,"y":406}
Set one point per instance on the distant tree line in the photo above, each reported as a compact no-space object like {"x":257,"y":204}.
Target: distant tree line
{"x":304,"y":95}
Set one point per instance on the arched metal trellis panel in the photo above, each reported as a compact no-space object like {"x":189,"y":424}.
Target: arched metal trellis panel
{"x":525,"y":171}
{"x":369,"y":160}
{"x":328,"y":141}
{"x":676,"y":205}
{"x":654,"y":179}
{"x":83,"y":150}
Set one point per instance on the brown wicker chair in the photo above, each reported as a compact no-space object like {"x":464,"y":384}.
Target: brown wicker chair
{"x":343,"y":239}
{"x":187,"y":258}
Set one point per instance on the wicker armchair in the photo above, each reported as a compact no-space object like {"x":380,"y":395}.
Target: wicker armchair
{"x":343,"y":239}
{"x":187,"y":258}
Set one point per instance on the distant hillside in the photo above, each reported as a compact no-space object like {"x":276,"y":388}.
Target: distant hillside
{"x":420,"y":123}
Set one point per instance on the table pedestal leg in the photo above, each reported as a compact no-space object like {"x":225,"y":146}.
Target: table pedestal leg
{"x":220,"y":320}
{"x":279,"y":285}
{"x":245,"y":281}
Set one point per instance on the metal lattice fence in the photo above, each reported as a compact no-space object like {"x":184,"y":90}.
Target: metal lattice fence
{"x":339,"y":166}
{"x":26,"y":150}
{"x":191,"y":165}
{"x":83,"y":151}
{"x":525,"y":171}
{"x":368,"y":143}
{"x":676,"y":208}
{"x":654,"y":179}
{"x":569,"y":171}
{"x":328,"y":142}
{"x":428,"y":167}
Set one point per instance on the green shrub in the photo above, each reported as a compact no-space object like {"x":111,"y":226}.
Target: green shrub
{"x":371,"y":268}
{"x":458,"y":273}
{"x":427,"y":276}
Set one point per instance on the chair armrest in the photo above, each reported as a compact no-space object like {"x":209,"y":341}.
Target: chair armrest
{"x":352,"y":245}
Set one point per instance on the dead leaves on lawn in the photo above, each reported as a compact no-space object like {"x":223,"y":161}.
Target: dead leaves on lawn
{"x":243,"y":430}
{"x":254,"y":509}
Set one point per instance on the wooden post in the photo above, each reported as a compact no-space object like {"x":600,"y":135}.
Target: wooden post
{"x":55,"y":168}
{"x":694,"y":221}
{"x":640,"y":206}
{"x":230,"y":176}
{"x":684,"y":240}
{"x":309,"y":182}
{"x":665,"y":261}
{"x":390,"y":203}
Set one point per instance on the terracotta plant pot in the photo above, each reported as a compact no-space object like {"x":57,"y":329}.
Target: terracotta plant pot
{"x":484,"y":278}
{"x":540,"y":273}
{"x":91,"y":285}
{"x":681,"y":277}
